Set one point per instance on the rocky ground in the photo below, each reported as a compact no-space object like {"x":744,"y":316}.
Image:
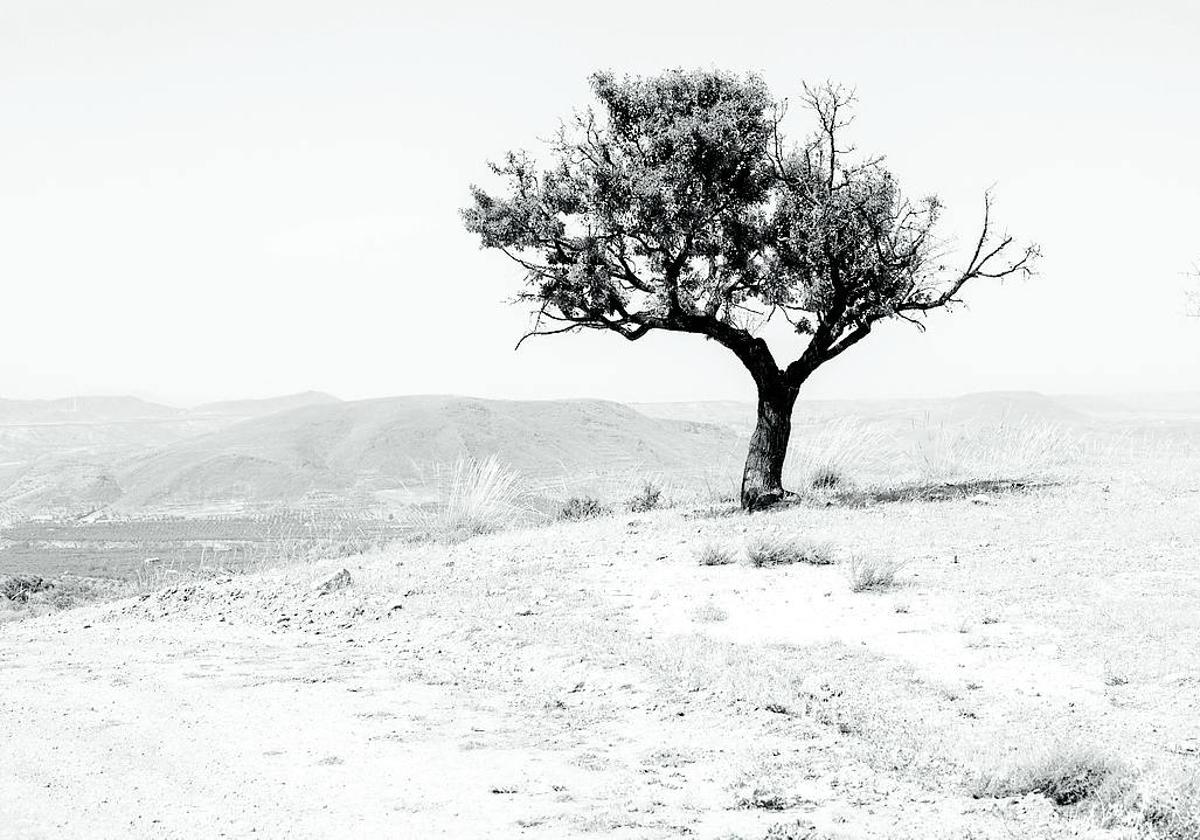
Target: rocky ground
{"x":592,"y":679}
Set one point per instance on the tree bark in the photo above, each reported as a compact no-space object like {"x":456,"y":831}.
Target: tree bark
{"x":762,"y":481}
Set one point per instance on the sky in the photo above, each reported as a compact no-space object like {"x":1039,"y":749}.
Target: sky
{"x":245,"y":198}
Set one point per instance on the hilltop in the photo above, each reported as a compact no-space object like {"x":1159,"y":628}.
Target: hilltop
{"x":594,"y":680}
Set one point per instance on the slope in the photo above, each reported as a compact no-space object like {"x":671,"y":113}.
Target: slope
{"x":381,"y":444}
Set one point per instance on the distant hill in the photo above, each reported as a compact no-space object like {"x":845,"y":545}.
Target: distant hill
{"x":369,"y":445}
{"x":82,"y":410}
{"x":259,"y":408}
{"x":64,"y":454}
{"x":75,"y":455}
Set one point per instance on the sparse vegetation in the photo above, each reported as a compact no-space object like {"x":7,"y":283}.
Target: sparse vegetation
{"x":647,"y":499}
{"x":715,"y":554}
{"x":777,"y":548}
{"x":709,"y":612}
{"x":795,"y":830}
{"x":578,"y":508}
{"x":1027,"y":449}
{"x":869,"y":573}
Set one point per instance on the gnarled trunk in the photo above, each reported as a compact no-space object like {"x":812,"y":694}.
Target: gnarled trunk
{"x":762,"y":481}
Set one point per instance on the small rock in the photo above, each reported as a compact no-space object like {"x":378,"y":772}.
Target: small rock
{"x":979,"y":499}
{"x":339,"y":581}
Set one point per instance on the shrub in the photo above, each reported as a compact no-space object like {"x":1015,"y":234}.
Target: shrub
{"x":714,"y":554}
{"x":872,"y":573}
{"x":779,"y":549}
{"x":649,"y":498}
{"x":578,"y":508}
{"x":765,"y":798}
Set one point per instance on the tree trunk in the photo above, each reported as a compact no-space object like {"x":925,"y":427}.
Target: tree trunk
{"x":762,"y":481}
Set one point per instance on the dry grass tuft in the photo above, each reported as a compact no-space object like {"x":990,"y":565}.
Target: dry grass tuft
{"x":1026,"y":449}
{"x":477,"y":497}
{"x":715,"y":554}
{"x":825,"y":457}
{"x":871,"y":574}
{"x":776,"y":548}
{"x":826,"y":477}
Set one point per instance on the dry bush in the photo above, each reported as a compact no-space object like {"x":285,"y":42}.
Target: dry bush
{"x":1067,"y":774}
{"x":648,"y":498}
{"x":476,"y":497}
{"x":867,"y":574}
{"x":578,"y":508}
{"x":715,"y":554}
{"x":776,"y":548}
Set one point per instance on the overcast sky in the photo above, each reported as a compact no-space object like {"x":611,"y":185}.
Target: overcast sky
{"x":237,"y":198}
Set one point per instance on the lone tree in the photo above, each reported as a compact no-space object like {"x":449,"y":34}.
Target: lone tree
{"x":678,"y":205}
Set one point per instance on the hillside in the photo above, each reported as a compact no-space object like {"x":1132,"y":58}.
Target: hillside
{"x":398,"y":443}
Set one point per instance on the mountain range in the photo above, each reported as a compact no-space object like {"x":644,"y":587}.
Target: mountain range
{"x":123,"y":454}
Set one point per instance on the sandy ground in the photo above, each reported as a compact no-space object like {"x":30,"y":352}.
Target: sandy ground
{"x":593,"y":680}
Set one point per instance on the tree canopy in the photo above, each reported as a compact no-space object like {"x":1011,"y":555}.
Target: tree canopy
{"x":678,"y":204}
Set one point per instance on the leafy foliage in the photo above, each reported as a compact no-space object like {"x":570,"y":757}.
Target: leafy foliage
{"x":678,"y":205}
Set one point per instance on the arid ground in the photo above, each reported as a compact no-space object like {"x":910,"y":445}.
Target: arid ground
{"x":1031,"y":671}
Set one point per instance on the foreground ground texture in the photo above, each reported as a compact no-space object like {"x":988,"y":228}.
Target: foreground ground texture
{"x":593,"y":679}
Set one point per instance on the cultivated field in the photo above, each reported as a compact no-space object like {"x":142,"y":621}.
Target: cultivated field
{"x":132,"y":549}
{"x":963,"y":653}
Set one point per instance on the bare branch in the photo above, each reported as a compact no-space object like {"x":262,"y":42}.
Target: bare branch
{"x":980,"y":265}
